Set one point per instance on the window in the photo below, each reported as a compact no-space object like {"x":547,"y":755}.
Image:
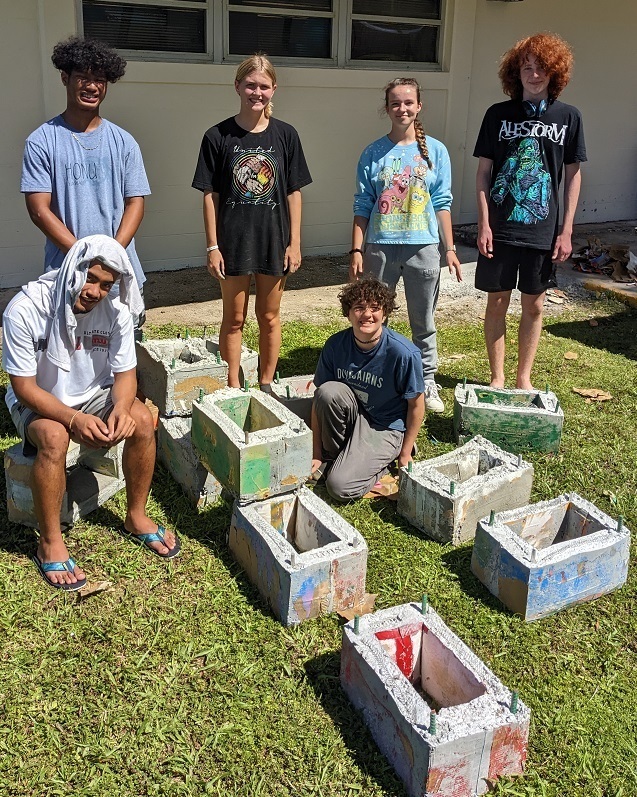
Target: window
{"x":356,"y":33}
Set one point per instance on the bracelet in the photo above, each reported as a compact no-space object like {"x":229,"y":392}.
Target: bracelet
{"x":450,"y":249}
{"x":211,"y":248}
{"x":75,"y":414}
{"x":351,"y":251}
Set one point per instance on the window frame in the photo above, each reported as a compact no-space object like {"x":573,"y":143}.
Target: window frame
{"x":217,"y":36}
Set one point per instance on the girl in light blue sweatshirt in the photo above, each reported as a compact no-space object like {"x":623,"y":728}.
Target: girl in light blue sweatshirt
{"x":401,"y":211}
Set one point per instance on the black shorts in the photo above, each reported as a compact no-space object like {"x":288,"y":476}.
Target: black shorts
{"x":530,"y":270}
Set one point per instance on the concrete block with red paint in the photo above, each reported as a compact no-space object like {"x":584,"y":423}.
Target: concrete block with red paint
{"x":446,"y":496}
{"x":171,"y":373}
{"x":251,"y":443}
{"x":302,"y":556}
{"x":546,"y":556}
{"x":92,"y":477}
{"x":402,"y":665}
{"x":296,"y":393}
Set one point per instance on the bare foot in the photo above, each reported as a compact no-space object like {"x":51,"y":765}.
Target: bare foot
{"x":524,"y":385}
{"x":145,"y":525}
{"x":58,"y":552}
{"x":497,"y":383}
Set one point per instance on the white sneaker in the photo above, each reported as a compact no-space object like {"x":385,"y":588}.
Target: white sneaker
{"x":433,"y":402}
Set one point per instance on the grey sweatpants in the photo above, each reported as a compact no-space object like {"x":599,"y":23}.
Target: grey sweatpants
{"x":360,"y":454}
{"x":419,"y":266}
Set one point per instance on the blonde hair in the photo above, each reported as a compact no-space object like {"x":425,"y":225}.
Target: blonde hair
{"x":259,"y":62}
{"x":419,"y":130}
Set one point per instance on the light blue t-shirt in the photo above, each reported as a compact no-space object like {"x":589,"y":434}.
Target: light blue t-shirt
{"x":382,"y":378}
{"x":400,"y":194}
{"x":89,"y":175}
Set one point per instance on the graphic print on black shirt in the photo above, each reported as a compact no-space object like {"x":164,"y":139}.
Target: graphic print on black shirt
{"x":528,"y":156}
{"x":253,"y":173}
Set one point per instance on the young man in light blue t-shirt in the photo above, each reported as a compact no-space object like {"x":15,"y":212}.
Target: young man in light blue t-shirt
{"x":81,"y":174}
{"x":369,"y":403}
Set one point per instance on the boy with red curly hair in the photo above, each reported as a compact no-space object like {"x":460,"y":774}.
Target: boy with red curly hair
{"x":523,"y":147}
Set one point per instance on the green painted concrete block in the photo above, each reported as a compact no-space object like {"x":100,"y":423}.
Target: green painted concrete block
{"x":516,"y":420}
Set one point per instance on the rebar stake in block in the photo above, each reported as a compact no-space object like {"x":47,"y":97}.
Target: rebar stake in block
{"x":544,"y":557}
{"x":517,"y":420}
{"x":446,"y":496}
{"x":171,"y":373}
{"x":296,"y":393}
{"x":174,"y":449}
{"x":302,"y":556}
{"x":438,"y":714}
{"x":276,"y":458}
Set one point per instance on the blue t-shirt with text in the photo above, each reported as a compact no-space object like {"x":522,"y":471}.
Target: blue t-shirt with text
{"x":382,"y":378}
{"x":89,"y":175}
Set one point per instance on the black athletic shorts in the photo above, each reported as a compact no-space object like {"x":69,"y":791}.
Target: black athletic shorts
{"x":530,"y":270}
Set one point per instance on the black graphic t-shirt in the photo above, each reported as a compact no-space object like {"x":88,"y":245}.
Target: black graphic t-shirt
{"x":253,"y":173}
{"x":528,"y":155}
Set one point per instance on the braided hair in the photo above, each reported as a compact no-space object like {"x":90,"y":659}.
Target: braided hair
{"x":419,"y":130}
{"x":258,"y":62}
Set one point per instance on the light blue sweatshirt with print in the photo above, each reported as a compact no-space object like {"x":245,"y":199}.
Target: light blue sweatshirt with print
{"x":400,"y":194}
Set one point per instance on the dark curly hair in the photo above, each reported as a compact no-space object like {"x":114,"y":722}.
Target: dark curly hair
{"x":368,"y":291}
{"x":88,"y":55}
{"x":554,"y":56}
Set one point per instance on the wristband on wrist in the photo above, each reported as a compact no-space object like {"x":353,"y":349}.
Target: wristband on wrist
{"x":450,"y":249}
{"x":211,"y":248}
{"x":351,"y":251}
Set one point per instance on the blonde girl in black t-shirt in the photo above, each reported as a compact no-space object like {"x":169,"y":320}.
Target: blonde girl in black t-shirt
{"x":251,"y":169}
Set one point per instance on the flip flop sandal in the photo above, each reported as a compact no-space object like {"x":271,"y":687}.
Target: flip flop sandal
{"x":155,"y":536}
{"x":58,"y":567}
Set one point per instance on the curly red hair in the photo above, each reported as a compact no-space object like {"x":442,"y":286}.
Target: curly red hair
{"x":552,"y":52}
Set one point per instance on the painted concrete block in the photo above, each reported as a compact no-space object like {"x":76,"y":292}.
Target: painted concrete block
{"x":174,"y":449}
{"x":172,"y":372}
{"x":296,"y":393}
{"x":446,"y":496}
{"x":403,"y":665}
{"x":303,"y":557}
{"x":93,"y":476}
{"x":253,"y":445}
{"x":543,"y":557}
{"x":514,"y":419}
{"x":249,"y":367}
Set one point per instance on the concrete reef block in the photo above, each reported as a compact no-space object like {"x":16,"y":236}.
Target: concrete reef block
{"x":302,"y":556}
{"x":249,"y":367}
{"x":403,"y":665}
{"x":296,"y":393}
{"x":174,"y":448}
{"x":446,"y":496}
{"x":172,"y":372}
{"x":93,"y":476}
{"x":514,"y":419}
{"x":546,"y":556}
{"x":253,"y":445}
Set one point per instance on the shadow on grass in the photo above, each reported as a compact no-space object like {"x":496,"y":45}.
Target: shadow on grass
{"x":302,"y":360}
{"x":614,"y":333}
{"x":458,"y":562}
{"x":323,"y":676}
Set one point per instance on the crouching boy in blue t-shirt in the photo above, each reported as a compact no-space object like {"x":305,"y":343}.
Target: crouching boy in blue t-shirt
{"x":369,"y":402}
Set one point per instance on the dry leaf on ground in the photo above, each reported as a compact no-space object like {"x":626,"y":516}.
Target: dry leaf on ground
{"x":593,"y":393}
{"x":570,"y":355}
{"x":593,"y":322}
{"x":555,"y":299}
{"x":94,"y":588}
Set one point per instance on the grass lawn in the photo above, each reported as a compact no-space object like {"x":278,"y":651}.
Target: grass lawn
{"x":178,"y":681}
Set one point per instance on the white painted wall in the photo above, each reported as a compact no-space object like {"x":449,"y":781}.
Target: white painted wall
{"x":167,"y":107}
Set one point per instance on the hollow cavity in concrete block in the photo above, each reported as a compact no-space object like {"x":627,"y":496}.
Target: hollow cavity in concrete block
{"x":296,"y":393}
{"x":514,"y":419}
{"x":302,"y":556}
{"x":249,"y":365}
{"x":543,"y":557}
{"x":174,"y":448}
{"x":403,"y":665}
{"x":446,"y":496}
{"x":171,"y":373}
{"x":252,"y":444}
{"x":93,"y":476}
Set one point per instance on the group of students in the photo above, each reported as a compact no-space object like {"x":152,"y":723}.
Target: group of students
{"x":69,"y":340}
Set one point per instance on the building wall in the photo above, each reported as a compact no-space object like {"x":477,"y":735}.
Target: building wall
{"x":168,"y":106}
